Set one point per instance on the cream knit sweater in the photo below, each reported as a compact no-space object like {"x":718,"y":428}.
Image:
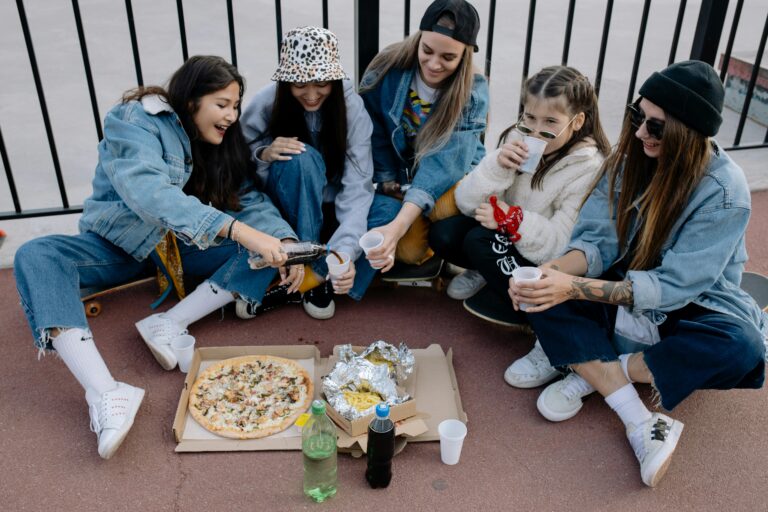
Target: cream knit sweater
{"x":549,"y":214}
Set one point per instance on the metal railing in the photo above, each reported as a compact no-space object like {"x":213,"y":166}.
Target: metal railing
{"x":709,"y":28}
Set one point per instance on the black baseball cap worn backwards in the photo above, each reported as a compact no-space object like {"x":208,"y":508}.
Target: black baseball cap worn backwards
{"x":465,"y":19}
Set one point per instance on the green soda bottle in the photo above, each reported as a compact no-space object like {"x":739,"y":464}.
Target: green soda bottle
{"x":318,"y":444}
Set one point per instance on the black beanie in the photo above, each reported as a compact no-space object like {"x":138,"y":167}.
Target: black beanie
{"x":690,"y":91}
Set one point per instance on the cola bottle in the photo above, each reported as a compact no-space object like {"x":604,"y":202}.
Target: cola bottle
{"x":297,"y":252}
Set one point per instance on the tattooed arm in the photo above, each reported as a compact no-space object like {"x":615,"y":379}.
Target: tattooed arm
{"x":597,"y":290}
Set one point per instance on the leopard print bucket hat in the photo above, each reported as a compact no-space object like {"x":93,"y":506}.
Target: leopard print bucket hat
{"x":309,"y":54}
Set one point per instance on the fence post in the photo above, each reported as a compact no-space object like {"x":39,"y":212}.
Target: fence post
{"x":366,"y":35}
{"x":709,"y":27}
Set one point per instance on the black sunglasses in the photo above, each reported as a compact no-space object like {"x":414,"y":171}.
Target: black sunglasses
{"x":654,"y":127}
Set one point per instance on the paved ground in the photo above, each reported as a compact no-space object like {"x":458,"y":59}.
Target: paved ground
{"x":512,"y":460}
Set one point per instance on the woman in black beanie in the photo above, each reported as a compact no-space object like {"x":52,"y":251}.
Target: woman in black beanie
{"x":648,"y":290}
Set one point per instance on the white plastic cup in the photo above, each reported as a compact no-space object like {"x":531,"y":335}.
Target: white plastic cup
{"x":336,"y":269}
{"x":370,"y":241}
{"x":452,"y":434}
{"x":523,"y":275}
{"x":183,"y":348}
{"x":535,"y":151}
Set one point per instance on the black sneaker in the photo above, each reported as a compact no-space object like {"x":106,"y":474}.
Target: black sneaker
{"x":489,"y":305}
{"x":275,"y":297}
{"x":404,"y":273}
{"x":318,"y":302}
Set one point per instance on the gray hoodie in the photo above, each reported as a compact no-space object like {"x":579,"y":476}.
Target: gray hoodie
{"x":354,"y":196}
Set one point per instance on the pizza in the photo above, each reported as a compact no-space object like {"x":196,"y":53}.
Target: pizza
{"x":250,"y":397}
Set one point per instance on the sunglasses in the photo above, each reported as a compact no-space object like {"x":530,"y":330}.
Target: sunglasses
{"x":543,"y":133}
{"x":654,"y":127}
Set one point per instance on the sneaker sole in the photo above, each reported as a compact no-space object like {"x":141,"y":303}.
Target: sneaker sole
{"x":162,"y":359}
{"x":557,"y":416}
{"x":461,"y":296}
{"x":320,"y":313}
{"x":655,"y":472}
{"x":125,"y":429}
{"x":527,"y":384}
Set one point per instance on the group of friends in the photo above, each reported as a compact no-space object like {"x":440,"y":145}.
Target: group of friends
{"x":641,"y":244}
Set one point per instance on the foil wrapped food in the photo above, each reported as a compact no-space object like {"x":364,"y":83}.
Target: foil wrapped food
{"x":376,"y":370}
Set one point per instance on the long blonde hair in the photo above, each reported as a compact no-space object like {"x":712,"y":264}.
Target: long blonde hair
{"x":660,"y":187}
{"x":453,"y":96}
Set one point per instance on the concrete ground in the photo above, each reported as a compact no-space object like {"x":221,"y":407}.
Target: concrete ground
{"x":512,"y":459}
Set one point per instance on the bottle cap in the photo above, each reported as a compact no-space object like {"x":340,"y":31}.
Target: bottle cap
{"x":382,"y":410}
{"x":318,"y":407}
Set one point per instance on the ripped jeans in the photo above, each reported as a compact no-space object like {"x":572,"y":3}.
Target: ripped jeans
{"x":699,"y":348}
{"x":50,"y":271}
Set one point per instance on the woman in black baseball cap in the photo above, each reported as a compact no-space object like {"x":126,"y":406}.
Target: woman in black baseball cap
{"x":429,"y":109}
{"x":660,"y":243}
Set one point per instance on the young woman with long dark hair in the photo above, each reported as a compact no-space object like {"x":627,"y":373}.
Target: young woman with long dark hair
{"x":648,"y":290}
{"x":172,"y":167}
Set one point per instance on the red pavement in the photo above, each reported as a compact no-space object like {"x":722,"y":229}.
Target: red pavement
{"x":512,"y":460}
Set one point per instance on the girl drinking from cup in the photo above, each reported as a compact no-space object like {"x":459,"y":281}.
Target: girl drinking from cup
{"x":519,"y":209}
{"x":655,"y":261}
{"x":310,"y":138}
{"x":172,"y":167}
{"x":429,"y":110}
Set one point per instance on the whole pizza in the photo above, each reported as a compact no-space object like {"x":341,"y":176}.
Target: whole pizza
{"x":250,"y":396}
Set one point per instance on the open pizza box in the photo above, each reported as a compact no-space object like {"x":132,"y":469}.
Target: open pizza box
{"x":434,"y":388}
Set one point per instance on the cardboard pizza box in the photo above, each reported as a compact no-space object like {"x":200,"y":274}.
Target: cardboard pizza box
{"x":435,"y":392}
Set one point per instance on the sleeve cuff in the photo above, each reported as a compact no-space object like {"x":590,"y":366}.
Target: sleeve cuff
{"x":420,"y":198}
{"x":646,"y":290}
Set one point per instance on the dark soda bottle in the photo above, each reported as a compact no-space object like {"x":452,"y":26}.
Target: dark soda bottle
{"x":297,"y":252}
{"x":381,"y":448}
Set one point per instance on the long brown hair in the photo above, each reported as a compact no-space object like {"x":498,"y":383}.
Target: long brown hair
{"x":288,"y":121}
{"x":453,"y":96}
{"x":659,"y":188}
{"x":219,"y":171}
{"x":577,"y":95}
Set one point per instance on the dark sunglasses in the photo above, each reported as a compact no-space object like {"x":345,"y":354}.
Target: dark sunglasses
{"x":544,"y":133}
{"x":654,"y":127}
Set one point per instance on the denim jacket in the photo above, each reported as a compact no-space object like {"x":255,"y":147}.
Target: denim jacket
{"x":701,"y":261}
{"x":145,"y":160}
{"x":438,"y":171}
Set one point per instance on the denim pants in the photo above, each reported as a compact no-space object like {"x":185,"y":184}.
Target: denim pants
{"x":699,"y":348}
{"x":296,"y":187}
{"x":50,"y":271}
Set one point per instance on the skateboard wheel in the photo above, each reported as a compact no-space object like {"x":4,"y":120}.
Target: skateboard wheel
{"x":93,"y":309}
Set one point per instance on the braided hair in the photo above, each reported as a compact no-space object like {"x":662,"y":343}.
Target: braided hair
{"x":577,"y":95}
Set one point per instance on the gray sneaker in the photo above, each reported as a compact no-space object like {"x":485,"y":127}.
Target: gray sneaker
{"x":561,"y":400}
{"x":654,"y":442}
{"x":465,"y":285}
{"x":532,"y":370}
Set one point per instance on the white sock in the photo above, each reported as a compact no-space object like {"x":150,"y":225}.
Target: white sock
{"x":627,"y":404}
{"x":624,"y":360}
{"x":206,"y":299}
{"x":78,"y":351}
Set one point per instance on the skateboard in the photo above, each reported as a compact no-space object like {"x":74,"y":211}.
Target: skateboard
{"x":425,"y":275}
{"x":91,"y":296}
{"x":757,"y":286}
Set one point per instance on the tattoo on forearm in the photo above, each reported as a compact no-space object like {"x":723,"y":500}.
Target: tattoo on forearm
{"x":555,"y":267}
{"x":611,"y":292}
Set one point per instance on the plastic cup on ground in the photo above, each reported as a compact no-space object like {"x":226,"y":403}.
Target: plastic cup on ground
{"x":523,"y":275}
{"x":370,"y":241}
{"x":452,"y":434}
{"x":183,"y":348}
{"x":336,"y":269}
{"x":535,"y":151}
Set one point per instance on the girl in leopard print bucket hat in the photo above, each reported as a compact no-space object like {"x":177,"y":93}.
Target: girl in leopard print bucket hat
{"x":309,"y":135}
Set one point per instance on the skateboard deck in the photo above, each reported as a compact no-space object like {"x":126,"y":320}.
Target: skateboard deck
{"x":426,"y":274}
{"x":91,"y":296}
{"x":757,"y":286}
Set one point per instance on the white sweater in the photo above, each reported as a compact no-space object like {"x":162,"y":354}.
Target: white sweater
{"x":549,"y":214}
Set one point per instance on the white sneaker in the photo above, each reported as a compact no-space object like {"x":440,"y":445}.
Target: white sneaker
{"x":531,"y":370}
{"x":158,"y":331}
{"x":112,"y":415}
{"x":561,"y":400}
{"x":654,"y":442}
{"x":465,"y":285}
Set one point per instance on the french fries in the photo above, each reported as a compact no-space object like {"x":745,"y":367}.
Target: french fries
{"x":362,"y":400}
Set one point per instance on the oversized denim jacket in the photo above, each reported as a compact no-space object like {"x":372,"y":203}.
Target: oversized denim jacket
{"x":437,"y":171}
{"x":145,"y":160}
{"x":703,"y":257}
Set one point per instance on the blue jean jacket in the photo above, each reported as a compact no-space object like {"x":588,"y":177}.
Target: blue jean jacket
{"x":144,"y":162}
{"x":701,"y":261}
{"x":439,"y":170}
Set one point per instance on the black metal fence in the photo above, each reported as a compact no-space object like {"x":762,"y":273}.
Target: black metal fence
{"x":710,"y":27}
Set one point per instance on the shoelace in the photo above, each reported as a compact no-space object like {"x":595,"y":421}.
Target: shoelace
{"x":93,"y":411}
{"x":659,"y":432}
{"x":575,"y":386}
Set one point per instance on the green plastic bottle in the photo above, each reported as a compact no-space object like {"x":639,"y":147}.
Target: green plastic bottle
{"x":318,"y":444}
